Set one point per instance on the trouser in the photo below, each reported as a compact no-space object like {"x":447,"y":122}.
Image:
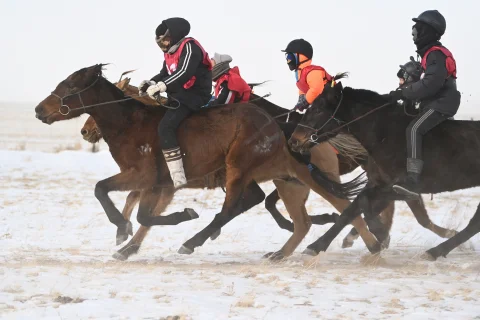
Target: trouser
{"x":168,"y":126}
{"x":424,"y":122}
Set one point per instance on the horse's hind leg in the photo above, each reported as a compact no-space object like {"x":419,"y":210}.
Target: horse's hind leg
{"x":445,"y":247}
{"x":420,"y":213}
{"x":124,"y":181}
{"x":238,"y":199}
{"x":294,"y":196}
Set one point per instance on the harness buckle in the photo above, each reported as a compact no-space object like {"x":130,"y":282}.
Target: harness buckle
{"x":60,"y":110}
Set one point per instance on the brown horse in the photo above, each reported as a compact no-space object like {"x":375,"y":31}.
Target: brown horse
{"x":322,"y":156}
{"x":231,"y":146}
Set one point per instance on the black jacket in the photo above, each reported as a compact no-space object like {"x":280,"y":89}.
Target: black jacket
{"x":435,"y":90}
{"x":189,"y":64}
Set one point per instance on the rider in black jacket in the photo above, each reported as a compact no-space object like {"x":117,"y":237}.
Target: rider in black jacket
{"x":436,"y":91}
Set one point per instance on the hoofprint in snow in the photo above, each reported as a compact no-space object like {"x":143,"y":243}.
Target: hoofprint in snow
{"x":57,"y":245}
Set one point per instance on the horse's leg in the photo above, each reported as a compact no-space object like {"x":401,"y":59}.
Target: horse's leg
{"x":420,"y":213}
{"x":124,"y":181}
{"x":294,"y":197}
{"x":132,"y":199}
{"x":340,"y":204}
{"x":270,"y":205}
{"x":232,"y":207}
{"x":380,"y":226}
{"x":153,"y":202}
{"x":371,"y":201}
{"x":445,"y":247}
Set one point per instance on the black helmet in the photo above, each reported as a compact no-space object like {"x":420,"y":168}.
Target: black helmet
{"x":410,"y":71}
{"x":300,"y":46}
{"x":434,"y":19}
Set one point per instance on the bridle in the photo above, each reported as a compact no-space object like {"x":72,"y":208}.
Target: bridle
{"x":79,"y":94}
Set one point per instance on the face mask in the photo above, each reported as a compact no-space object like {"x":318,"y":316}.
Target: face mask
{"x":164,"y":42}
{"x":292,"y":60}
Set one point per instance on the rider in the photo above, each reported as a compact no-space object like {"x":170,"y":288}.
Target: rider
{"x":186,"y":77}
{"x":436,"y":91}
{"x":311,"y":79}
{"x":229,"y":85}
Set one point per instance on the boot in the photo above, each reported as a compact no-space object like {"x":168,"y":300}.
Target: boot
{"x":409,"y":186}
{"x":173,"y":157}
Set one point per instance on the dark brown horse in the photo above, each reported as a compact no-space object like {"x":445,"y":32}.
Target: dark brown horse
{"x":232,"y":146}
{"x":380,"y":127}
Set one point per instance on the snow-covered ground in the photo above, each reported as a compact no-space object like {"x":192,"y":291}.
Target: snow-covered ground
{"x":57,"y":244}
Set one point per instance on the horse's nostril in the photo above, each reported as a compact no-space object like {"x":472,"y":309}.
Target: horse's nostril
{"x":84,"y":132}
{"x":39,"y":109}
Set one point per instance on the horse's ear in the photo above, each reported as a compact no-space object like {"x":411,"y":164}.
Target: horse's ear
{"x":338,"y":87}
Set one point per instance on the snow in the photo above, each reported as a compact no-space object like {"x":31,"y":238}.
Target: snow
{"x":57,"y":245}
{"x":57,"y":242}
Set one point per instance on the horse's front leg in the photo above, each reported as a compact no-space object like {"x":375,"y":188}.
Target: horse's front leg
{"x":130,"y":179}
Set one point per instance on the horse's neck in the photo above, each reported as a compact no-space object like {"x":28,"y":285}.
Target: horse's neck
{"x":371,"y":130}
{"x":112,"y":118}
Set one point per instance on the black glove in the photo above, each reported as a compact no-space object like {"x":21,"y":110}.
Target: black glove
{"x":302,"y":103}
{"x":396,"y":95}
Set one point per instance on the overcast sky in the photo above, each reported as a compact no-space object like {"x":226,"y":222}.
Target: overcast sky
{"x":42,"y":42}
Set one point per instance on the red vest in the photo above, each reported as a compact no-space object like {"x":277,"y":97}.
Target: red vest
{"x":171,"y":60}
{"x":450,"y":63}
{"x":235,"y":83}
{"x":302,"y":84}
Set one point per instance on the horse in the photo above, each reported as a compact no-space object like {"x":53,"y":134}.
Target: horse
{"x":379,"y":125}
{"x":231,"y":146}
{"x":322,"y":157}
{"x":91,"y":133}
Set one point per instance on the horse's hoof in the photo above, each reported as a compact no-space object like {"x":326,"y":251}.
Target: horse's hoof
{"x":427,"y":256}
{"x":123,"y":232}
{"x":119,"y":256}
{"x":348,"y":241}
{"x":192,"y":213}
{"x":185,"y":250}
{"x":386,"y":243}
{"x":267,"y":255}
{"x":376,"y":248}
{"x":277,"y":256}
{"x":215,"y":234}
{"x":310,"y":252}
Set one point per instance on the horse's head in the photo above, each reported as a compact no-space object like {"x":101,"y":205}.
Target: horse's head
{"x":90,"y":131}
{"x":70,"y":95}
{"x":318,"y":119}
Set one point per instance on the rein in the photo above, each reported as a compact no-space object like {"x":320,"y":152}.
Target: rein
{"x":314,"y":137}
{"x":84,"y":107}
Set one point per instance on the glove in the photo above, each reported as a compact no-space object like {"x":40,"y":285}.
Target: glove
{"x":156,"y":88}
{"x":302,"y":103}
{"x":144,"y":86}
{"x":396,"y":95}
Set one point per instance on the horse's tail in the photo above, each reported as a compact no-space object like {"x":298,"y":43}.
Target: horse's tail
{"x":347,"y":190}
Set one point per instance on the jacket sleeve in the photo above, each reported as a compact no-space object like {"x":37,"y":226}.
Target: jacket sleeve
{"x":225,"y":96}
{"x":315,"y":84}
{"x":162,"y":75}
{"x":189,"y":60}
{"x":433,"y":80}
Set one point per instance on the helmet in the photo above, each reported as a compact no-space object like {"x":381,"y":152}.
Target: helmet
{"x":434,"y":19}
{"x":410,"y":71}
{"x":300,"y":46}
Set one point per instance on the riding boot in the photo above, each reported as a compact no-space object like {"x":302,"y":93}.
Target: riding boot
{"x":409,"y":186}
{"x":173,"y":157}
